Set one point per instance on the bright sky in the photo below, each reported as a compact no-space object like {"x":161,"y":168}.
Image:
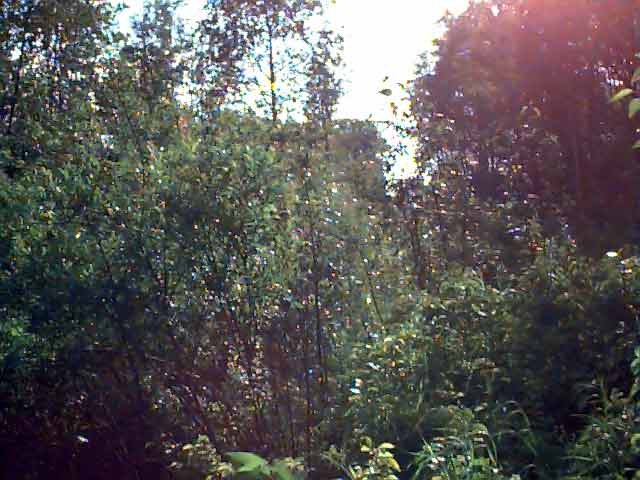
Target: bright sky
{"x":382,"y":38}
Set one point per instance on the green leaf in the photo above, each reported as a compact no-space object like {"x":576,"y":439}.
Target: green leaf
{"x":385,"y":91}
{"x":281,"y":472}
{"x":246,"y":461}
{"x":634,"y":107}
{"x":625,"y":92}
{"x":636,"y":146}
{"x":636,"y":76}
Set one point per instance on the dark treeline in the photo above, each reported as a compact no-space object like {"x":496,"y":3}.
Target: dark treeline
{"x":204,"y":274}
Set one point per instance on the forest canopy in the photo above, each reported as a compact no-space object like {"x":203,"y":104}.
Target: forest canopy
{"x":205,"y":274}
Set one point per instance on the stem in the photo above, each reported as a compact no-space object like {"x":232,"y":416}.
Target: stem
{"x":272,"y":75}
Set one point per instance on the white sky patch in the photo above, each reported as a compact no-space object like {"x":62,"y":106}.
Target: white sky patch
{"x":384,"y":38}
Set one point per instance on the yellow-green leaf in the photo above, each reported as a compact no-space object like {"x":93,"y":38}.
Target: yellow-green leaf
{"x":625,"y":92}
{"x":246,"y":461}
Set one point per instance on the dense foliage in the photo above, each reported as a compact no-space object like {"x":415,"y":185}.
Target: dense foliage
{"x":204,"y":274}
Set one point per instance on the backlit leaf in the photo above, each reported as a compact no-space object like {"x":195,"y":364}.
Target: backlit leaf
{"x":625,"y":92}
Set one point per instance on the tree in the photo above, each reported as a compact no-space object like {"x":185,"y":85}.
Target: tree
{"x":534,"y":109}
{"x":50,"y":53}
{"x":257,"y":45}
